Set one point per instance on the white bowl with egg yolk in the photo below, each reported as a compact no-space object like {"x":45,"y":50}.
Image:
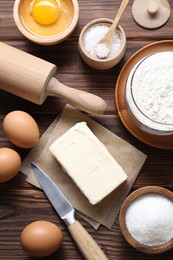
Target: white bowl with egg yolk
{"x":46,"y":22}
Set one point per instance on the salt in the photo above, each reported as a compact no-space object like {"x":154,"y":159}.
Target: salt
{"x":101,"y":50}
{"x":149,"y":219}
{"x":92,"y":37}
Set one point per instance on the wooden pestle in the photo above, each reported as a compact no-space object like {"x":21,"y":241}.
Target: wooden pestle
{"x":32,"y":78}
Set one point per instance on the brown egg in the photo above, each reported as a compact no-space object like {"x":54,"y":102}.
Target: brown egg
{"x":21,"y":129}
{"x":10,"y":163}
{"x":41,"y":238}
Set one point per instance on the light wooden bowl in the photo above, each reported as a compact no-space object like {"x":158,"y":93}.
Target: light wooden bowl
{"x":134,"y":195}
{"x":45,"y":40}
{"x":97,"y":63}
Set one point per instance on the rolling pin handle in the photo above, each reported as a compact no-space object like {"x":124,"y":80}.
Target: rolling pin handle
{"x":82,"y":100}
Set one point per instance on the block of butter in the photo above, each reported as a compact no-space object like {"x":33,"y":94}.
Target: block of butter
{"x":87,"y":161}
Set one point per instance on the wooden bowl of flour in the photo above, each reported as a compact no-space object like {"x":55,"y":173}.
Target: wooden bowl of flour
{"x":146,"y":219}
{"x":91,"y":34}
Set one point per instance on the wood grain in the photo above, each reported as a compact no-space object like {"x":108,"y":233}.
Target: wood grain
{"x":21,"y":203}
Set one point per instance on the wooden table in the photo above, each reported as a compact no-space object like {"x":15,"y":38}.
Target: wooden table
{"x":21,"y":203}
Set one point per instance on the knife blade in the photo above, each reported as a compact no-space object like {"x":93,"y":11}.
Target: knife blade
{"x":86,"y":244}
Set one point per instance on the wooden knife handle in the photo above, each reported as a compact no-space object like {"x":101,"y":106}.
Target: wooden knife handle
{"x":86,"y":244}
{"x":82,"y":100}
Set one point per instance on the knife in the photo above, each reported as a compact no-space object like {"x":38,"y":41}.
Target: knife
{"x":86,"y":244}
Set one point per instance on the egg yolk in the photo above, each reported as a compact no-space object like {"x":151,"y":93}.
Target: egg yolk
{"x":45,"y":12}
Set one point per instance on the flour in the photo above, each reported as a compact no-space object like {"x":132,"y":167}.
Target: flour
{"x":152,"y":89}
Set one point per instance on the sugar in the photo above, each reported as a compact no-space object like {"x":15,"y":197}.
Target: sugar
{"x":149,"y":219}
{"x":92,"y":37}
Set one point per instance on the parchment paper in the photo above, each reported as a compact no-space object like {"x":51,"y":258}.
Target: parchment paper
{"x":125,"y":154}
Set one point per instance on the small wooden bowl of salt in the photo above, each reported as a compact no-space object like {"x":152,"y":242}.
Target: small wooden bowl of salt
{"x":89,"y":37}
{"x":146,"y":219}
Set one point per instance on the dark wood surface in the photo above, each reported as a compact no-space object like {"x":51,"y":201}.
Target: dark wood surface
{"x":21,"y":203}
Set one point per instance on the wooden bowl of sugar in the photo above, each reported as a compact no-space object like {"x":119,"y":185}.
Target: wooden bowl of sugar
{"x":91,"y":34}
{"x":146,"y":219}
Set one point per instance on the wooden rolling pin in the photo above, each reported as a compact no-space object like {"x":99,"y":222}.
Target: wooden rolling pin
{"x":32,"y":78}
